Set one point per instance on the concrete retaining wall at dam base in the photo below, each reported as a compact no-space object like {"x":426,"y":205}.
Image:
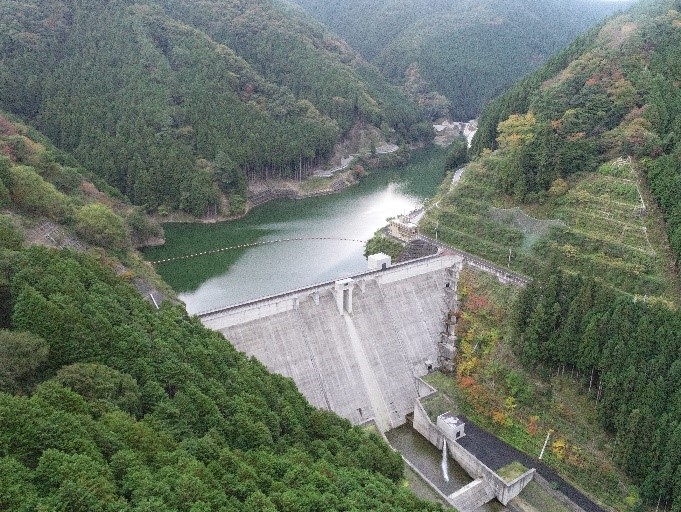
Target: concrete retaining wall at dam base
{"x":356,"y":349}
{"x":481,"y":454}
{"x":487,"y":484}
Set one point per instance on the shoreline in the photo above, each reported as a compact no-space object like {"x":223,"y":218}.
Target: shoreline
{"x":262,"y":192}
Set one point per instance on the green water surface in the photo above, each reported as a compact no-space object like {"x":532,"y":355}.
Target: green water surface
{"x":212,"y":281}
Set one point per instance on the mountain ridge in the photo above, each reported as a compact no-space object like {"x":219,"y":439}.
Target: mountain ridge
{"x":456,"y":46}
{"x":173,"y":117}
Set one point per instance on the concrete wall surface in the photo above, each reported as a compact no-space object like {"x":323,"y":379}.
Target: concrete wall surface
{"x":503,"y":491}
{"x":427,"y":428}
{"x":287,"y":301}
{"x":472,"y":496}
{"x":362,"y":362}
{"x":424,"y":390}
{"x":507,"y":491}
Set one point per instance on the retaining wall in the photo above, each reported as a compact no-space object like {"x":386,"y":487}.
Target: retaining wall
{"x":427,"y":428}
{"x":259,"y":198}
{"x":503,"y":491}
{"x":472,"y":496}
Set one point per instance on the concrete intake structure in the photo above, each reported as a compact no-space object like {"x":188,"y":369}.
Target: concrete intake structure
{"x":353,"y":346}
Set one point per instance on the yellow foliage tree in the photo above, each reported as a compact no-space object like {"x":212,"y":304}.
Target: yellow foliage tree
{"x":516,"y":131}
{"x":558,"y":447}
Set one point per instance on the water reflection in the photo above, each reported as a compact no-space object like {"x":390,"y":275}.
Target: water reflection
{"x":269,"y":269}
{"x":211,"y":282}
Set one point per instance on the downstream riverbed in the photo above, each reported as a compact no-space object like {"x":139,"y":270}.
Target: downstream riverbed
{"x":428,"y":460}
{"x":212,"y":281}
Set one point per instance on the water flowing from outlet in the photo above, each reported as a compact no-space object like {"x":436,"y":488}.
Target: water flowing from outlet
{"x":445,"y":461}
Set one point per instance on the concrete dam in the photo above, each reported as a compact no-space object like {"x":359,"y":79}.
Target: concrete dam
{"x":354,"y":346}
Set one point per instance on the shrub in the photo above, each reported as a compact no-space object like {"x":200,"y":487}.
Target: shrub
{"x":97,"y":224}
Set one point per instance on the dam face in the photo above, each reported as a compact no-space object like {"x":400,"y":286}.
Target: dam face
{"x":353,"y":346}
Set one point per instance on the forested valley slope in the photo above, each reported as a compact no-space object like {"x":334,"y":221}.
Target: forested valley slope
{"x":454,"y":56}
{"x":576,"y":181}
{"x":175,"y":102}
{"x":109,"y":404}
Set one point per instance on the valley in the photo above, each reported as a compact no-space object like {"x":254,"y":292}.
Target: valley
{"x":118,"y":117}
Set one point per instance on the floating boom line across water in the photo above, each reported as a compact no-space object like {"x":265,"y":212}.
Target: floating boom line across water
{"x":254,"y":244}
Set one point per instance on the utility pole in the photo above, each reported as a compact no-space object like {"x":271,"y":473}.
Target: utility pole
{"x":545,"y":443}
{"x":437,"y":225}
{"x":509,"y":257}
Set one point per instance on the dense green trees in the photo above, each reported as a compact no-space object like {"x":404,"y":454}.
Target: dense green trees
{"x":36,"y":196}
{"x":97,"y":224}
{"x":382,"y":243}
{"x":612,"y":93}
{"x":173,"y":102}
{"x":21,"y":354}
{"x":37,"y":182}
{"x":122,"y":407}
{"x":457,"y":154}
{"x":628,"y":353}
{"x":468,"y":51}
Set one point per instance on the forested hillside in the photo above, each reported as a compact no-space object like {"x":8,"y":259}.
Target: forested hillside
{"x":108,"y":404}
{"x":629,"y":356}
{"x":588,"y":147}
{"x":41,"y":185}
{"x":175,"y":103}
{"x":469,"y":51}
{"x":612,"y":94}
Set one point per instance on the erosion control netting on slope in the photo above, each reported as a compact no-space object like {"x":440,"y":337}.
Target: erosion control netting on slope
{"x":516,"y":218}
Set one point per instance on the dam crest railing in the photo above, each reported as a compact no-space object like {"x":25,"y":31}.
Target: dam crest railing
{"x":316,"y":286}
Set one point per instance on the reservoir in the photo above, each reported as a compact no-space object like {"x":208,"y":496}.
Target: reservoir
{"x":217,"y":280}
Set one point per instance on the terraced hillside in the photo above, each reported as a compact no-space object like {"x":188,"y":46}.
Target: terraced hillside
{"x":599,"y":225}
{"x":576,"y":182}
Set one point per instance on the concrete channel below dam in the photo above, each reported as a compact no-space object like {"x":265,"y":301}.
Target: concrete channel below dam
{"x":353,"y":346}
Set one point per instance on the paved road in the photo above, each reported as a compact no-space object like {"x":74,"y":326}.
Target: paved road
{"x":480,"y":263}
{"x":496,"y":454}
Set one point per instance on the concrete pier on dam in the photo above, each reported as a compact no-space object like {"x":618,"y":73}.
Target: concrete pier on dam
{"x":354,"y":346}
